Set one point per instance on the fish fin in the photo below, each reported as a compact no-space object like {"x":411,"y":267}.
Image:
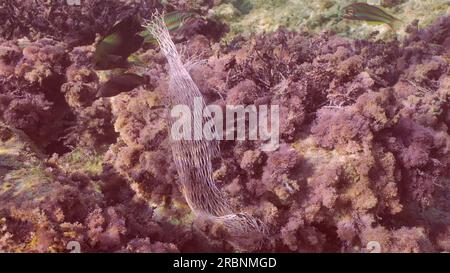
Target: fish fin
{"x":148,"y":38}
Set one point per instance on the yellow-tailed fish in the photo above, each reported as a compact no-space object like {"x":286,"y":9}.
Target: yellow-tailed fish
{"x":370,"y":14}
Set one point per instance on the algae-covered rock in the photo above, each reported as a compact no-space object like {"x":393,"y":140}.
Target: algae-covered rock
{"x":364,"y":149}
{"x":50,"y":205}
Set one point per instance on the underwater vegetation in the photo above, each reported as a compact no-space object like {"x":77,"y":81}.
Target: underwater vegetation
{"x":369,"y":13}
{"x":85,"y":153}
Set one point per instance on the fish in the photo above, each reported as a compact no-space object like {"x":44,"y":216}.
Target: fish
{"x":119,"y":84}
{"x":118,"y":44}
{"x":173,"y":20}
{"x":176,"y":19}
{"x":370,"y":14}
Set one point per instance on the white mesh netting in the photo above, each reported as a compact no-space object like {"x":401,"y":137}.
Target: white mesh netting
{"x":193,"y":157}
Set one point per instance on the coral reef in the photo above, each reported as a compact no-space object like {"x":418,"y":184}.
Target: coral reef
{"x":364,"y":131}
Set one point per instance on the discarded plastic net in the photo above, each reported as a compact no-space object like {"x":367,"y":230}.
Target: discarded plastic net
{"x":193,"y":157}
